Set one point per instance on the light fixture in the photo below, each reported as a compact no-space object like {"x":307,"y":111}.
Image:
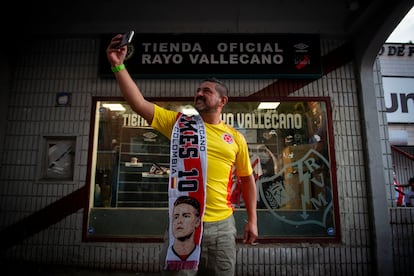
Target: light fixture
{"x":114,"y":106}
{"x":63,"y":99}
{"x":268,"y":105}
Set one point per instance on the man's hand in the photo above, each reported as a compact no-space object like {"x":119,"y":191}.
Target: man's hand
{"x":116,"y":56}
{"x":250,"y":233}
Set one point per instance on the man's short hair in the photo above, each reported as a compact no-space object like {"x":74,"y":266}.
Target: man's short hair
{"x":190,"y":201}
{"x":220,"y":87}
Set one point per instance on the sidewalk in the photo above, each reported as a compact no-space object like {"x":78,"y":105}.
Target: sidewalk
{"x":26,"y":269}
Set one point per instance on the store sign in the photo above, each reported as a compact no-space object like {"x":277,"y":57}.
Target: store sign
{"x":223,"y":55}
{"x":397,"y":50}
{"x":253,"y":120}
{"x":399,"y":99}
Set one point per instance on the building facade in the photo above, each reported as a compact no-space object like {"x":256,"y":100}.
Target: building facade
{"x":61,"y":144}
{"x":397,"y":70}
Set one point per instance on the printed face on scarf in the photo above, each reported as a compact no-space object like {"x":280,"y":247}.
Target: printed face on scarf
{"x":186,"y":219}
{"x":208,"y":99}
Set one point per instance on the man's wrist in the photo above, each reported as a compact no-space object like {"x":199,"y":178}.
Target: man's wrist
{"x":117,"y":68}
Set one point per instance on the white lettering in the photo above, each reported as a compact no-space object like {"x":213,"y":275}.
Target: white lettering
{"x":162,"y":59}
{"x":266,"y":120}
{"x":250,"y":47}
{"x":171,"y":47}
{"x":235,"y":59}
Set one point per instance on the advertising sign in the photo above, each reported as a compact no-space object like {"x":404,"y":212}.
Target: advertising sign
{"x":399,"y":99}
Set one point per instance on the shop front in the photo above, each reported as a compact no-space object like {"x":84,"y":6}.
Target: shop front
{"x":289,"y":143}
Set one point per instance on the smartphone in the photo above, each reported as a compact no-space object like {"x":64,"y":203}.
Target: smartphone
{"x":126,"y":39}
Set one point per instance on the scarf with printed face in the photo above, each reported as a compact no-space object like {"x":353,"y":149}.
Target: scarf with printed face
{"x":188,"y":163}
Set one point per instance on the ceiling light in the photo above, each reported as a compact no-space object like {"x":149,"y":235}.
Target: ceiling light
{"x":268,"y":105}
{"x":114,"y":107}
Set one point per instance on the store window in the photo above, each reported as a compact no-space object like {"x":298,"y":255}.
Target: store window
{"x":291,"y":151}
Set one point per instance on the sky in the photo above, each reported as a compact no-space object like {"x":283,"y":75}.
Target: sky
{"x":404,"y":32}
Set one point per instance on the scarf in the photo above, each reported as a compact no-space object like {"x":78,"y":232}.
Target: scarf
{"x":188,"y":164}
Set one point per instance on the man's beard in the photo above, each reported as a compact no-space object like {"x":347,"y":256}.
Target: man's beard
{"x":204,"y":108}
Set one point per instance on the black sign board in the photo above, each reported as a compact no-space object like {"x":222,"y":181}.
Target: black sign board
{"x":222,"y":55}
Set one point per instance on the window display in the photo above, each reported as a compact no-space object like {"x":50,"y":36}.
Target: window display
{"x":291,"y":152}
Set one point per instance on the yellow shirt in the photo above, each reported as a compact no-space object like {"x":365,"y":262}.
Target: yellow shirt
{"x":225,"y":147}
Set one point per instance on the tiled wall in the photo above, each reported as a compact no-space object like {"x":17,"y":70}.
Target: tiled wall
{"x":402,"y":227}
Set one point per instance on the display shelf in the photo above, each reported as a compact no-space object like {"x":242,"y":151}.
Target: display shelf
{"x":130,"y":164}
{"x":136,"y":187}
{"x":145,"y":174}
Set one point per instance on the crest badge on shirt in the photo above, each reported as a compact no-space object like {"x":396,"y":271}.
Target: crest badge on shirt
{"x":228,"y":138}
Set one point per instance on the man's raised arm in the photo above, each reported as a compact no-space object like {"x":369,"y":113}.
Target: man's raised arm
{"x":127,"y":85}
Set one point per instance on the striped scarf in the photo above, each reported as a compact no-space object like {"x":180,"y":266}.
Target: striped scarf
{"x":188,"y":163}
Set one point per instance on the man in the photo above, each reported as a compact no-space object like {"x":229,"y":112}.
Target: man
{"x":399,"y":191}
{"x":226,"y":147}
{"x":409,"y":196}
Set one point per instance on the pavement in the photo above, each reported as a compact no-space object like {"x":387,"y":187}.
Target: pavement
{"x":31,"y":269}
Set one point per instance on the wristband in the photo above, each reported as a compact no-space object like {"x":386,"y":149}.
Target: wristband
{"x":118,"y":68}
